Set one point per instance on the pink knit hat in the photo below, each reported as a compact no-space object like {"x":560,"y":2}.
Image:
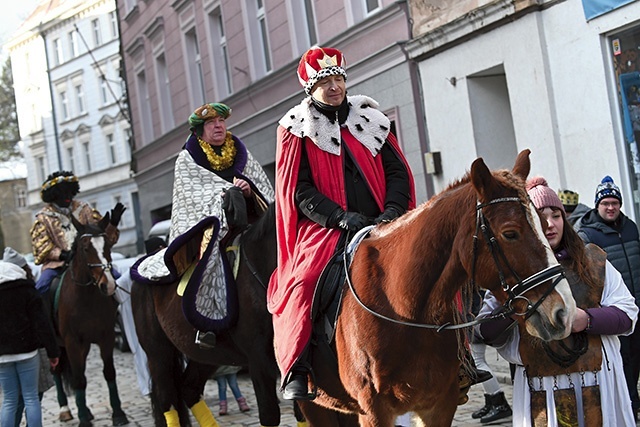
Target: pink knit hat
{"x":541,"y":195}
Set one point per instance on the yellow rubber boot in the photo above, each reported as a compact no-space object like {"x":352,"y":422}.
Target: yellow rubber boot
{"x":203,"y":415}
{"x":172,"y":418}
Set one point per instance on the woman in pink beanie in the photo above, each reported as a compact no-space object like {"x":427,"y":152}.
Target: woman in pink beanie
{"x":578,"y":380}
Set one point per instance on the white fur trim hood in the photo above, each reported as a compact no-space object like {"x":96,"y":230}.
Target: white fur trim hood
{"x":368,"y":124}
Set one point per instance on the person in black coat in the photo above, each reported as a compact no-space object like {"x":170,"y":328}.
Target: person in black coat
{"x":24,"y":328}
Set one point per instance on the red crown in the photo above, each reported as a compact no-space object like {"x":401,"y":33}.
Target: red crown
{"x":318,"y":63}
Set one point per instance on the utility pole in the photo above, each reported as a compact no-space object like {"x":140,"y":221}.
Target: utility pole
{"x":53,"y":104}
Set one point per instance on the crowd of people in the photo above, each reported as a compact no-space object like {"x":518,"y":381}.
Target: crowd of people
{"x":335,"y":174}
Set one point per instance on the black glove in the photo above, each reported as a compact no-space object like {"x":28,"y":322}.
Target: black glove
{"x":65,"y":256}
{"x":389,"y":214}
{"x":116,"y":214}
{"x":235,"y":207}
{"x":352,"y":221}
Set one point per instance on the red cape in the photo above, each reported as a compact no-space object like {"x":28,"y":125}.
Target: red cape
{"x":305,"y":247}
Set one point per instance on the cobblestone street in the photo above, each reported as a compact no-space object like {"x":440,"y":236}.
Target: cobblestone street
{"x":138,"y":408}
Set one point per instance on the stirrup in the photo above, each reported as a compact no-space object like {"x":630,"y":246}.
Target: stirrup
{"x":206,"y":340}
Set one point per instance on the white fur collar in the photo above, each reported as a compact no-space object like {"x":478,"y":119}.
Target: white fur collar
{"x":368,"y":124}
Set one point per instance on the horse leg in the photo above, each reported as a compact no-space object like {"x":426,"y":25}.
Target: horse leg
{"x":77,"y":354}
{"x":195,"y":377}
{"x":165,"y":362}
{"x":63,"y":402}
{"x":264,"y":379}
{"x":118,"y":417}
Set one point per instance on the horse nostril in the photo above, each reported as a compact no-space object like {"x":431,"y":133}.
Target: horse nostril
{"x":560,"y":317}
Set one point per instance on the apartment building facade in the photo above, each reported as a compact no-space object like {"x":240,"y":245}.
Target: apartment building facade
{"x":72,"y":107}
{"x":181,"y":54}
{"x":558,"y":77}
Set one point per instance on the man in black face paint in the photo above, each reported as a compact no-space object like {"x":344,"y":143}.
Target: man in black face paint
{"x":53,"y":233}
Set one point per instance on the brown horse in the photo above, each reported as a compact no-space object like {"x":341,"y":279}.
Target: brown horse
{"x":87,"y":314}
{"x":398,"y":349}
{"x":166,"y":336}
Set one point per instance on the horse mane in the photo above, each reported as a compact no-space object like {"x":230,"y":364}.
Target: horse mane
{"x":263,"y":226}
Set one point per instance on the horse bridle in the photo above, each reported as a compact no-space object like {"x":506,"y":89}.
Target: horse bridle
{"x":515,"y":292}
{"x":105,"y":267}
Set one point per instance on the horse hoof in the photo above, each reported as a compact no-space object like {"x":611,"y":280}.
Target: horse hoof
{"x":65,"y":416}
{"x":120,"y":420}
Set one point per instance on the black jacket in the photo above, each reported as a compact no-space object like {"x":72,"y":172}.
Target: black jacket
{"x":621,"y":242}
{"x":24,"y":326}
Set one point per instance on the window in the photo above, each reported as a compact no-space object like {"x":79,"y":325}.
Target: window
{"x":303,"y":26}
{"x":21,"y":197}
{"x":104,"y":91}
{"x":58,"y":55}
{"x":70,"y":162}
{"x":196,"y":74}
{"x":371,"y":5}
{"x":80,"y":99}
{"x":41,"y":170}
{"x":264,"y":40}
{"x":73,"y":43}
{"x":144,"y":107}
{"x":97,"y":34}
{"x":87,"y":155}
{"x":113,"y":20}
{"x":220,"y":54}
{"x":111,"y":143}
{"x":164,"y":92}
{"x":64,"y":103}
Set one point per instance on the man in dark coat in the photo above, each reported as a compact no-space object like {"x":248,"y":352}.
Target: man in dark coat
{"x":609,"y":228}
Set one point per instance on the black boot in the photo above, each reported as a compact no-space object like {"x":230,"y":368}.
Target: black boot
{"x":499,"y":408}
{"x":483,"y":411}
{"x":297,"y":387}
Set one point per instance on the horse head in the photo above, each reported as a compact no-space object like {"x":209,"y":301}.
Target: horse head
{"x":91,"y":263}
{"x":512,"y":257}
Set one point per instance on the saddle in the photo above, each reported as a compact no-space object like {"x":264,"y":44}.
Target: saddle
{"x":327,"y":298}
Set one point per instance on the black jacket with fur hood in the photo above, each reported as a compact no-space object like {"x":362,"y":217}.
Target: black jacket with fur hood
{"x":24,"y":326}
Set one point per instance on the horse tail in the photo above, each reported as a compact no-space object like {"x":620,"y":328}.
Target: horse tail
{"x":174,"y":369}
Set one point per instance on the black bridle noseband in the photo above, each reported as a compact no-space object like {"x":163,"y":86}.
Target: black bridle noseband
{"x":515,"y":292}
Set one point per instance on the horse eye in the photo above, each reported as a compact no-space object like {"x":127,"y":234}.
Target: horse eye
{"x":510,"y":235}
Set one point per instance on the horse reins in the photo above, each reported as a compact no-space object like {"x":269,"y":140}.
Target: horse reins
{"x":515,"y":292}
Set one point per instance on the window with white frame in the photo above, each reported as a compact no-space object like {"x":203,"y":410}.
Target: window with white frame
{"x":87,"y":155}
{"x":64,"y":105}
{"x":113,"y":21}
{"x":73,"y":43}
{"x":104,"y":90}
{"x":303,"y":25}
{"x":111,"y":144}
{"x":80,"y":98}
{"x":41,"y":171}
{"x":361,"y":9}
{"x":21,"y":197}
{"x":164,"y":90}
{"x":144,"y":107}
{"x":70,"y":160}
{"x":58,"y":53}
{"x":97,"y":33}
{"x":129,"y":5}
{"x":196,"y":74}
{"x":220,"y":54}
{"x":264,"y":33}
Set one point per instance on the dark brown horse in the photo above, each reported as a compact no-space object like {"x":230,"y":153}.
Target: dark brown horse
{"x":403,"y":285}
{"x":87,"y":314}
{"x":166,"y":336}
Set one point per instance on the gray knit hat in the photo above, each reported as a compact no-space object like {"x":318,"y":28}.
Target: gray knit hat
{"x":12,"y":256}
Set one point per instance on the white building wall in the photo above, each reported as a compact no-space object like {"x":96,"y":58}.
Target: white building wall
{"x":561,"y":91}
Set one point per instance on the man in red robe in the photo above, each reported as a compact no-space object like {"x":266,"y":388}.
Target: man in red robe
{"x":338,"y":169}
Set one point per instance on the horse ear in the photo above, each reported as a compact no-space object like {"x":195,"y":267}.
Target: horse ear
{"x":76,"y":224}
{"x":523,"y":164}
{"x":481,"y":178}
